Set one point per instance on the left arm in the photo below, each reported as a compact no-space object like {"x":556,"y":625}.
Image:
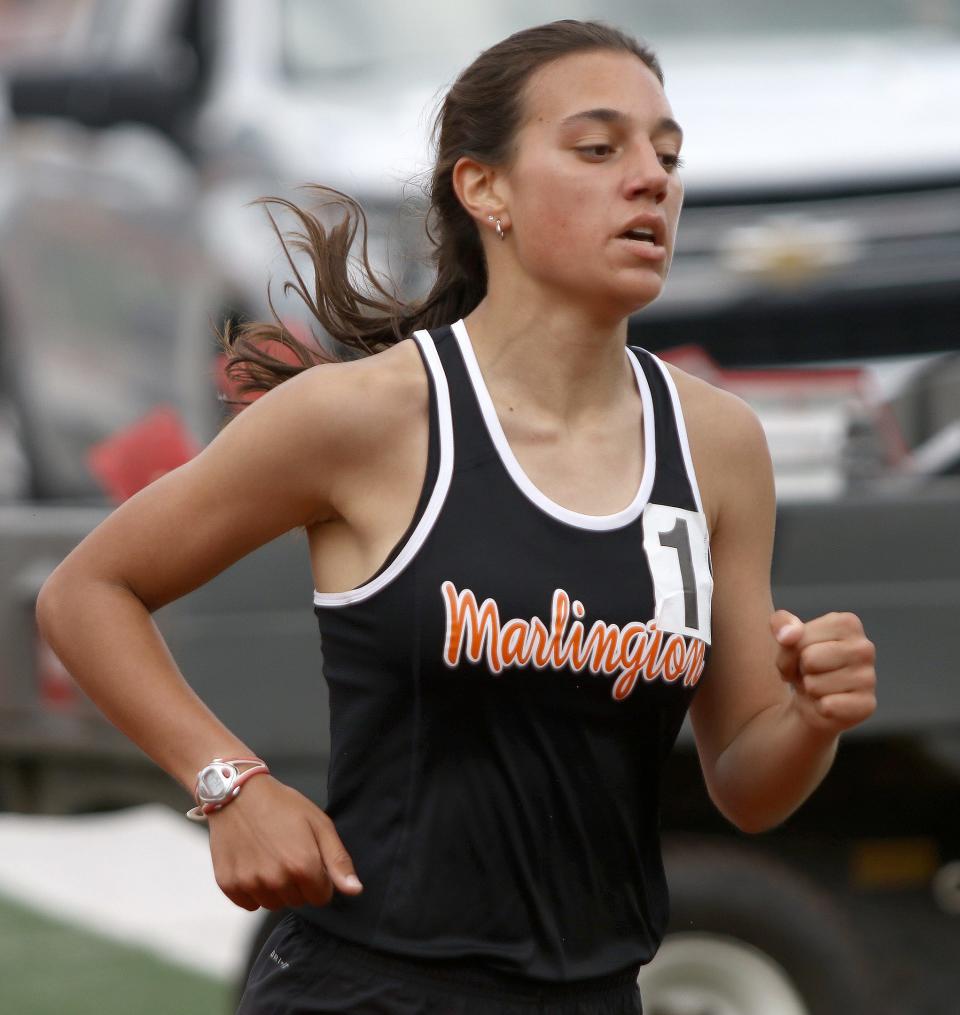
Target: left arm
{"x":776,"y":692}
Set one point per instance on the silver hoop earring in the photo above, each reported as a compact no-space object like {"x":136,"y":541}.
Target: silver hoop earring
{"x":500,"y":231}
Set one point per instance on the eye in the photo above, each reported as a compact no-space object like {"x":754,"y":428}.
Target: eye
{"x":675,"y":162}
{"x":594,"y":147}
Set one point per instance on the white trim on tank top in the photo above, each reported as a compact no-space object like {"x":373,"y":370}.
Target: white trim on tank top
{"x":437,"y":497}
{"x":564,"y":514}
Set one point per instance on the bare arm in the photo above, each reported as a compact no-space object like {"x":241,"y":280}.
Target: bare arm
{"x":272,"y":468}
{"x":765,"y":743}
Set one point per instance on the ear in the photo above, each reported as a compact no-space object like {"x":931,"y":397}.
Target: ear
{"x":479,"y":188}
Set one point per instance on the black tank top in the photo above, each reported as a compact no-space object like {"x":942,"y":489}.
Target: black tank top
{"x":503,"y":693}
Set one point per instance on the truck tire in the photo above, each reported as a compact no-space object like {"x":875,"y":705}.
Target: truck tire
{"x":750,"y":935}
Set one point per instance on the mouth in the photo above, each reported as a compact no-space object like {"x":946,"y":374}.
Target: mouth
{"x":646,"y":227}
{"x":641,"y":236}
{"x":643,"y":243}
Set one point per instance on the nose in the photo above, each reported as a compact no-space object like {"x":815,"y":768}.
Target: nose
{"x":646,"y":174}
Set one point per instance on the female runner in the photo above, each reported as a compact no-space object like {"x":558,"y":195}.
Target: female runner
{"x":534,"y":549}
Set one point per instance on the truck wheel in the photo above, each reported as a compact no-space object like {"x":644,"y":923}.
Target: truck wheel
{"x":750,"y":935}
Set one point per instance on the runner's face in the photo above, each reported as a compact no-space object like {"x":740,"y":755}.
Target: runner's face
{"x":578,"y":181}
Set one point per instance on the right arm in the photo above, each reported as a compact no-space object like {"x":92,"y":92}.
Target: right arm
{"x":272,"y":468}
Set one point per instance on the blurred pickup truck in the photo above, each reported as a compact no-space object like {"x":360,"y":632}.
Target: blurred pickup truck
{"x":817,"y":275}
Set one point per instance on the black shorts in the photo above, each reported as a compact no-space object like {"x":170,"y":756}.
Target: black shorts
{"x":301,"y":969}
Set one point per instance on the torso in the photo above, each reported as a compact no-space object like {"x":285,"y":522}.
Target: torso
{"x":523,"y":662}
{"x":593,"y":473}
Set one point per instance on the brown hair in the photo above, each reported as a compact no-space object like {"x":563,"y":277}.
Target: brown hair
{"x":479,"y":117}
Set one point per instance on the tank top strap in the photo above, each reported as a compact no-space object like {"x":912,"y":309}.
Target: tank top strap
{"x":471,"y":438}
{"x":432,"y":470}
{"x":675,"y":481}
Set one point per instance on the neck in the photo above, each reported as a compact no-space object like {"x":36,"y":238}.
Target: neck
{"x":556,"y":359}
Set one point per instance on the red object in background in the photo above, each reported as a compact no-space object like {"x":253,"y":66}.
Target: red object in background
{"x":278,"y":350}
{"x":132,"y":458}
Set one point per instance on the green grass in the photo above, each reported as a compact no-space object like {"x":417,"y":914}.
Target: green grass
{"x":48,"y":967}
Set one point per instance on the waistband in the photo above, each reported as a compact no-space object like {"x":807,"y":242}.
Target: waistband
{"x":468,"y":974}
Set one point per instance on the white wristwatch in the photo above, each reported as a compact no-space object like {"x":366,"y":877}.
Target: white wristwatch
{"x":219,"y":782}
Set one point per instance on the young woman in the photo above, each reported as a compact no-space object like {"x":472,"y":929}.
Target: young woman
{"x":534,"y":548}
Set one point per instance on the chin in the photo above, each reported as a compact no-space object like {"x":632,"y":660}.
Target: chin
{"x":635,"y":298}
{"x":609,"y":299}
{"x":645,"y":301}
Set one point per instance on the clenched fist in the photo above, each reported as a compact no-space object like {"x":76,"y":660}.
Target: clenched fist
{"x":829,"y":662}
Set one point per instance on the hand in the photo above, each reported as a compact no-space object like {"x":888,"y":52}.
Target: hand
{"x":829,"y":662}
{"x":273,"y":847}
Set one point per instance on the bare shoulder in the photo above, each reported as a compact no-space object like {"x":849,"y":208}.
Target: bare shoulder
{"x":375,"y":412}
{"x":395,"y":380}
{"x":726,"y":438}
{"x":359,"y":403}
{"x":717,"y":411}
{"x":392,"y":376}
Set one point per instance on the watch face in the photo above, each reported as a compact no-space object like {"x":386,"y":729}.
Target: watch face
{"x":214,"y":782}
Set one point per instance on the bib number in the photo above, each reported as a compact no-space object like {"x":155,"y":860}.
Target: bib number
{"x":677,"y":545}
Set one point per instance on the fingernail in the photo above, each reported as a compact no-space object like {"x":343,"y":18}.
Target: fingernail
{"x":353,"y":881}
{"x":784,"y":631}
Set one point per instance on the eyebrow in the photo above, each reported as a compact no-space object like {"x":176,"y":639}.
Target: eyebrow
{"x":664,"y":125}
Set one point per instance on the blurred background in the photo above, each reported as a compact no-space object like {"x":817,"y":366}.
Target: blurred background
{"x":816,"y":274}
